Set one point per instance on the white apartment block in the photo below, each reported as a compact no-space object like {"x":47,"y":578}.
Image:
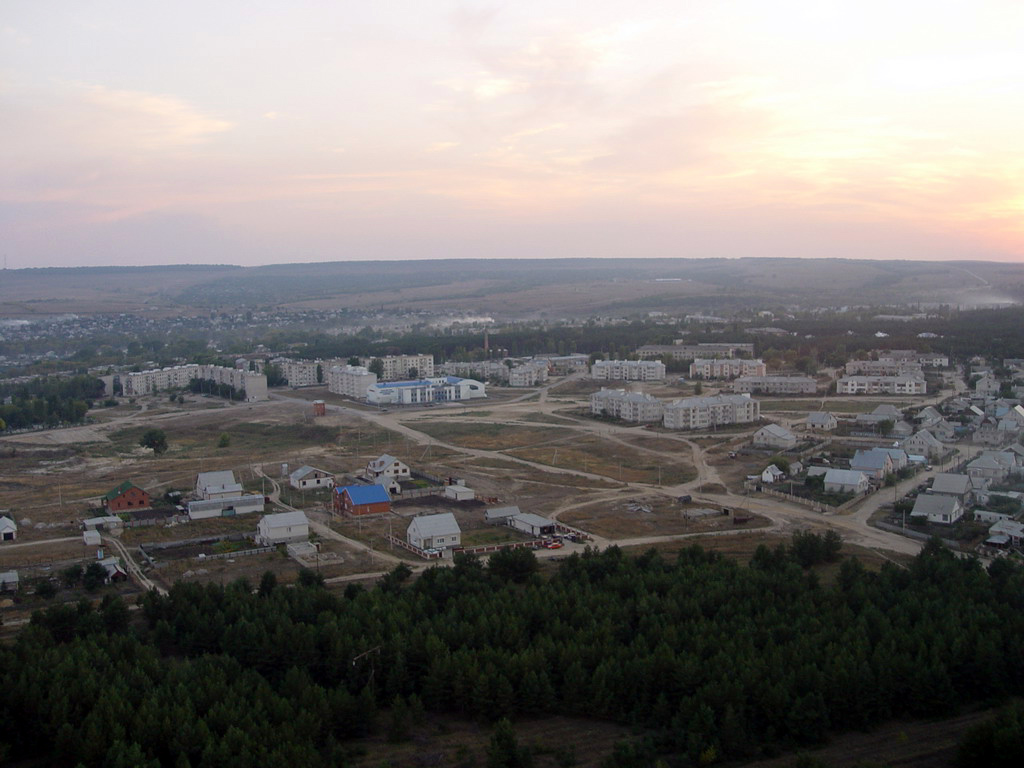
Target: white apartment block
{"x":930,"y":359}
{"x":350,"y":380}
{"x":628,"y":406}
{"x":422,"y":391}
{"x":704,"y":412}
{"x":726,"y":368}
{"x":628,"y":370}
{"x":481,"y":370}
{"x":400,"y":367}
{"x":530,"y":374}
{"x":776,"y":385}
{"x":876,"y":385}
{"x":162,"y":379}
{"x":884,"y":368}
{"x":680,"y":351}
{"x":299,"y":373}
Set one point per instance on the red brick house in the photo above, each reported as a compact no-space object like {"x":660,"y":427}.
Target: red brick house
{"x":126,"y":497}
{"x":362,"y":500}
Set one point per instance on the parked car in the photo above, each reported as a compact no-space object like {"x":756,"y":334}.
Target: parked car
{"x":553,"y":545}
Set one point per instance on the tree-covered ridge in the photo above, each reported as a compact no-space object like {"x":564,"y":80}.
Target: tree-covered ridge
{"x":713,"y":658}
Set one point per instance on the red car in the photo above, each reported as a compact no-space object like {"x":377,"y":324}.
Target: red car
{"x":553,"y":545}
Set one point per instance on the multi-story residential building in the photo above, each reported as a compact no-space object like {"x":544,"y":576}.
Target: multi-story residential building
{"x":726,"y":368}
{"x":884,"y":368}
{"x":703,"y":412}
{"x":680,"y":351}
{"x":399,"y":367}
{"x":928,"y":359}
{"x":872,"y":385}
{"x":136,"y":383}
{"x":628,"y":406}
{"x":775,"y":385}
{"x":481,"y":370}
{"x":351,"y":381}
{"x":628,"y":370}
{"x":422,"y":391}
{"x":563,"y":365}
{"x":531,"y":374}
{"x":299,"y":373}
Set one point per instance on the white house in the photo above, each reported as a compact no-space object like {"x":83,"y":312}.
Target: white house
{"x":773,"y":436}
{"x":434,"y":531}
{"x":217,"y":485}
{"x":308,"y":477}
{"x":8,"y":529}
{"x":937,"y":509}
{"x":772,"y":474}
{"x":846,"y":481}
{"x":924,"y":443}
{"x":282,"y":528}
{"x":821,"y":421}
{"x":958,"y":486}
{"x":386,"y":470}
{"x":500,"y":515}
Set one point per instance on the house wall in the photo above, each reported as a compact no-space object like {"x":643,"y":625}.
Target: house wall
{"x":133,"y":498}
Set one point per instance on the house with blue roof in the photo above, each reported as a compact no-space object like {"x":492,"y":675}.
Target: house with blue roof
{"x":362,"y":500}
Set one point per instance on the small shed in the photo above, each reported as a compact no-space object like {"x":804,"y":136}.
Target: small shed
{"x":532,"y":524}
{"x":8,"y":529}
{"x":459,"y":493}
{"x":500,"y":515}
{"x":9,"y":581}
{"x":91,"y":538}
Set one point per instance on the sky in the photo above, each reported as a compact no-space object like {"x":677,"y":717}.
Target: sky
{"x":253,"y":132}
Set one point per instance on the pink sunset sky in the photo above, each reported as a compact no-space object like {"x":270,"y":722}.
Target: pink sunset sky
{"x":253,"y":132}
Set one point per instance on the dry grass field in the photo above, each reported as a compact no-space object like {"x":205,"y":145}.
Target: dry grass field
{"x":634,"y":515}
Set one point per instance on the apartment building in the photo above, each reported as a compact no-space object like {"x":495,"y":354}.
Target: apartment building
{"x":177,"y":377}
{"x":531,"y":374}
{"x":726,"y":368}
{"x":628,"y":406}
{"x":399,"y":367}
{"x":350,"y":380}
{"x":927,"y":359}
{"x":628,"y":370}
{"x":888,"y":367}
{"x":716,"y":410}
{"x":775,"y":385}
{"x":875,"y":385}
{"x":680,"y":351}
{"x":299,"y":373}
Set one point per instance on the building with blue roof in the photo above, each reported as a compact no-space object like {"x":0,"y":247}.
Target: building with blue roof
{"x":362,"y":500}
{"x":422,"y":391}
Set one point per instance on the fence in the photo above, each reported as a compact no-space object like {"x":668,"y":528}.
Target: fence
{"x":817,"y":506}
{"x":239,"y":553}
{"x":914,"y":534}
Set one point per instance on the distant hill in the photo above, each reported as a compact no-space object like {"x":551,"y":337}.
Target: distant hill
{"x":512,"y":287}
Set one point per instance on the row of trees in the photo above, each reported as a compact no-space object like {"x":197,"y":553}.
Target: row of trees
{"x":709,"y":658}
{"x":49,"y":401}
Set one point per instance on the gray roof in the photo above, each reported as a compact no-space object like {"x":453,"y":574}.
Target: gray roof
{"x":949,"y":482}
{"x":498,"y":512}
{"x":285,"y":519}
{"x":535,"y":520}
{"x":873,"y":459}
{"x":382,"y":462}
{"x":9,"y":577}
{"x":776,"y":431}
{"x":301,"y":472}
{"x":228,"y":501}
{"x":435,"y":525}
{"x":819,"y":417}
{"x":6,"y":524}
{"x":222,"y":478}
{"x":932,"y":504}
{"x":844,"y":477}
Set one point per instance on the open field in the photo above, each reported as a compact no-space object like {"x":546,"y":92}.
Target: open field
{"x":614,"y":460}
{"x":490,"y":436}
{"x":838,"y":407}
{"x":647,"y":515}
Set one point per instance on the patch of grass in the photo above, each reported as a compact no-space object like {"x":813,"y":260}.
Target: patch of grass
{"x":613,"y":460}
{"x":490,"y":436}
